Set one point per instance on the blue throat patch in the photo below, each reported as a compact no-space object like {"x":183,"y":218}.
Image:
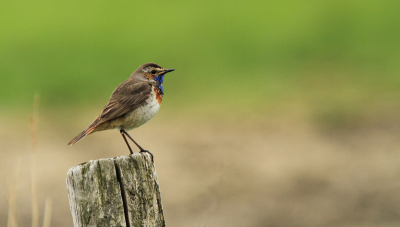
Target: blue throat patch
{"x":160,"y":80}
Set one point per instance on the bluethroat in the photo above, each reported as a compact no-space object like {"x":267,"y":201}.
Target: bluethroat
{"x":133,"y":103}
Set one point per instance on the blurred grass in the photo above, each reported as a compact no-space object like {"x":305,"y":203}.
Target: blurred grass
{"x":231,"y":57}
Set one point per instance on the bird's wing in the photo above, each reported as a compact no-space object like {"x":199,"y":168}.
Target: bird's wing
{"x":125,"y":99}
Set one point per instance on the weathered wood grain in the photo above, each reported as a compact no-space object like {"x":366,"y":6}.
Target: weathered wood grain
{"x":141,"y":189}
{"x":123,"y":191}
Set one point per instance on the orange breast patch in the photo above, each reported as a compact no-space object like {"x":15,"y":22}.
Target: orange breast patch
{"x":158,"y":96}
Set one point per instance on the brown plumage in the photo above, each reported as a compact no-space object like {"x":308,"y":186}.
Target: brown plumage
{"x":131,"y":103}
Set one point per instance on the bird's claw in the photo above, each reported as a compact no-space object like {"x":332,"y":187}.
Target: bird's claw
{"x":152,"y":158}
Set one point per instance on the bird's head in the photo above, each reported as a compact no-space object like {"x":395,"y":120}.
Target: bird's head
{"x":153,"y":71}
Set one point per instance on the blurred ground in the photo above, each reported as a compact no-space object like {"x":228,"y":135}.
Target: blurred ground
{"x":273,"y":171}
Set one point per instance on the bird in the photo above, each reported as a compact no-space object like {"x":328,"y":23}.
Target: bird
{"x":133,"y":103}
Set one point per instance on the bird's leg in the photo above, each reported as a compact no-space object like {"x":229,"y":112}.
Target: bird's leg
{"x":141,"y":149}
{"x":126,"y":141}
{"x":124,"y":132}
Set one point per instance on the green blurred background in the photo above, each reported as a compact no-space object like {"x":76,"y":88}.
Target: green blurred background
{"x":328,"y":69}
{"x":227,"y":54}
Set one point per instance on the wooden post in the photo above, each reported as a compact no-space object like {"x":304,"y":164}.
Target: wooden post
{"x":121,"y":192}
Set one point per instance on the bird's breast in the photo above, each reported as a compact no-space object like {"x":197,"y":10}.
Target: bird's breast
{"x":142,"y":114}
{"x":158,"y":95}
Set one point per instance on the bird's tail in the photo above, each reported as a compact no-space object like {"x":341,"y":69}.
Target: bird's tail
{"x":87,"y":131}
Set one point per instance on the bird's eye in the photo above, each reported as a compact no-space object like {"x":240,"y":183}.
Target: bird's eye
{"x":153,"y":72}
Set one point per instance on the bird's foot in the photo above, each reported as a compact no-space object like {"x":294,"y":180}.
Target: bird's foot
{"x":152,"y":158}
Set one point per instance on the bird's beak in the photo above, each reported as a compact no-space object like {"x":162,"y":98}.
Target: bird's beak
{"x":168,"y":70}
